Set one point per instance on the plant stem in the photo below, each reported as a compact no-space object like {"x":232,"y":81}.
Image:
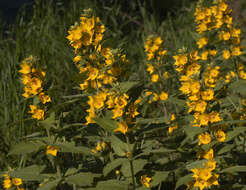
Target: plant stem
{"x":131,"y":164}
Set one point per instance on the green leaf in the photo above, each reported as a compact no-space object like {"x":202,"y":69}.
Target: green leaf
{"x":125,"y":86}
{"x":107,"y":124}
{"x":26,"y":147}
{"x":158,"y":178}
{"x":225,"y":149}
{"x":112,"y":165}
{"x":183,"y":180}
{"x":196,"y":164}
{"x":49,"y":186}
{"x":238,"y":86}
{"x":138,"y":165}
{"x":82,"y":178}
{"x":70,"y":147}
{"x":236,"y":131}
{"x":112,"y":185}
{"x":70,"y":171}
{"x":31,"y":173}
{"x":192,"y":131}
{"x":49,"y":122}
{"x":152,"y":120}
{"x":234,"y":169}
{"x":119,"y":146}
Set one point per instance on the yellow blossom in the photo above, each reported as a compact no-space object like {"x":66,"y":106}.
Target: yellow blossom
{"x":154,"y":77}
{"x":202,"y":42}
{"x":172,"y":128}
{"x":204,"y":138}
{"x":226,"y":54}
{"x":163,"y":96}
{"x":122,"y":127}
{"x":51,"y":150}
{"x":7,"y":182}
{"x":145,"y":181}
{"x":17,"y":181}
{"x":220,"y":135}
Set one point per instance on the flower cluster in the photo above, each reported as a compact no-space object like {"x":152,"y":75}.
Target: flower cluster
{"x":218,"y":42}
{"x":9,"y":182}
{"x":99,"y":147}
{"x":203,"y":176}
{"x":99,"y":67}
{"x":32,"y":78}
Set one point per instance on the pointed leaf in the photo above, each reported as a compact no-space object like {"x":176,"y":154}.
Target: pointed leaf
{"x":138,"y":165}
{"x":107,"y":124}
{"x":112,"y":184}
{"x":158,"y":178}
{"x":49,"y":186}
{"x":125,"y":86}
{"x":112,"y":165}
{"x":31,"y":173}
{"x":119,"y":146}
{"x":26,"y":147}
{"x":183,"y":180}
{"x":234,"y":169}
{"x":82,"y":178}
{"x":236,"y":131}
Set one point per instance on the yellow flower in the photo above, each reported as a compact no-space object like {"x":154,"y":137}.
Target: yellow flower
{"x":44,"y":98}
{"x":84,"y":85}
{"x":25,"y":68}
{"x":98,"y":100}
{"x":93,"y":73}
{"x":117,"y":112}
{"x":154,"y":78}
{"x":214,"y":117}
{"x":166,"y":75}
{"x":120,"y":101}
{"x":226,"y":35}
{"x":207,"y":95}
{"x":201,"y":28}
{"x":220,"y":135}
{"x":180,"y":59}
{"x":148,"y":93}
{"x":202,"y":42}
{"x":226,"y":54}
{"x":202,"y":173}
{"x":145,"y":181}
{"x":204,"y":138}
{"x":17,"y":181}
{"x":200,"y":106}
{"x":163,"y":96}
{"x":51,"y":150}
{"x":213,"y":52}
{"x":236,"y":51}
{"x":150,"y":68}
{"x":122,"y":127}
{"x":36,"y":113}
{"x":209,"y":154}
{"x":193,"y":69}
{"x":156,"y":97}
{"x":172,"y":128}
{"x":211,"y":164}
{"x":204,"y":55}
{"x":77,"y":58}
{"x":100,"y":147}
{"x":7,"y":182}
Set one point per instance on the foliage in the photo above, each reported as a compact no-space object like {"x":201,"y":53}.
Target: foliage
{"x":86,"y":116}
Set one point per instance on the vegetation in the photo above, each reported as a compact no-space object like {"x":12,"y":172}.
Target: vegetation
{"x":108,"y":96}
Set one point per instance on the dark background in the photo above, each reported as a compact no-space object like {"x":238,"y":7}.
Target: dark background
{"x":9,"y":8}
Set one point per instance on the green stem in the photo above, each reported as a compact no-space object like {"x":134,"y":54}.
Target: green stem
{"x":131,"y":164}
